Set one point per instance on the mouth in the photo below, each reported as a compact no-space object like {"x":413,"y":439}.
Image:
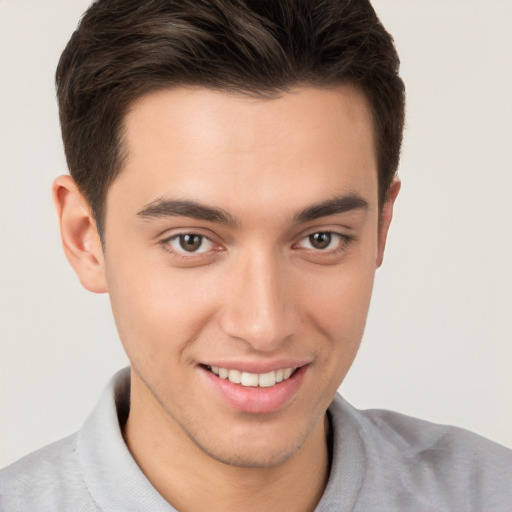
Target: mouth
{"x":254,"y":388}
{"x":247,"y":379}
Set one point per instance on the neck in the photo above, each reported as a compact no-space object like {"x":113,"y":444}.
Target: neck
{"x":189,"y":479}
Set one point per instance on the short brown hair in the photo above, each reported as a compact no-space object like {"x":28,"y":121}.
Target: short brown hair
{"x":123,"y":49}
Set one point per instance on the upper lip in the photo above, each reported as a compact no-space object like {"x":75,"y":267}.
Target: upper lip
{"x":257,"y":366}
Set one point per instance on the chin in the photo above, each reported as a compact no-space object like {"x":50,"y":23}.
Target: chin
{"x":254,"y":445}
{"x":250,"y":454}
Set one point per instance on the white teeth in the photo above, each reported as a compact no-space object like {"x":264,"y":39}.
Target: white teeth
{"x":263,"y":380}
{"x":235,"y":376}
{"x":249,"y":379}
{"x":267,"y":379}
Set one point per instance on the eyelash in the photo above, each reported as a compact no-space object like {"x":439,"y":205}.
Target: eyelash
{"x":342,"y":244}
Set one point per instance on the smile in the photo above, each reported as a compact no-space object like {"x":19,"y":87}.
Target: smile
{"x":262,"y":380}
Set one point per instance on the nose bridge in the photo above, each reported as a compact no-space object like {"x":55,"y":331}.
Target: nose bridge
{"x":259,"y":307}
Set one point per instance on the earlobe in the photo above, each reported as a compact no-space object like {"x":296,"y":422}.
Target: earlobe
{"x":79,"y":234}
{"x":385,"y":219}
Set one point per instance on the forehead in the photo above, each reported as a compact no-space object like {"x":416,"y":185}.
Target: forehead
{"x":219,"y":147}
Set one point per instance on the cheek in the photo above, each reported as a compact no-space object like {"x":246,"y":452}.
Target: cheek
{"x":339,"y":313}
{"x":339,"y":301}
{"x":157,"y":310}
{"x":338,"y":308}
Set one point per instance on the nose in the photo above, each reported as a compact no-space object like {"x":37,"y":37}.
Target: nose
{"x":259,"y":303}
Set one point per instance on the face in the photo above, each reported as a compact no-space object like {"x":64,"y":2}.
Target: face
{"x":241,"y":241}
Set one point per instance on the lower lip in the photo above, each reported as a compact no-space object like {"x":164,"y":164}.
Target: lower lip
{"x":256,"y":400}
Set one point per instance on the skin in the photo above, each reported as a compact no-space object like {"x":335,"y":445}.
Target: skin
{"x":257,"y":290}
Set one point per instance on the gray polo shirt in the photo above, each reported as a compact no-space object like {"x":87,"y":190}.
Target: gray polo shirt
{"x":382,"y":461}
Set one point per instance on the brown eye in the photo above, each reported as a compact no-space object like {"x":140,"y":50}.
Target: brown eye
{"x":320,"y":240}
{"x":190,"y":243}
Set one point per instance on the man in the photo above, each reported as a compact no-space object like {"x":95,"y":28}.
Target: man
{"x":233,"y":180}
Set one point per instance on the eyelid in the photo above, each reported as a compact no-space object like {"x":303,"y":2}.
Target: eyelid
{"x":189,"y":230}
{"x":335,"y":229}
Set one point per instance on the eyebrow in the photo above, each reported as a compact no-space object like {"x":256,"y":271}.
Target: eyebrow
{"x":177,"y":208}
{"x":192,"y":209}
{"x":336,"y":205}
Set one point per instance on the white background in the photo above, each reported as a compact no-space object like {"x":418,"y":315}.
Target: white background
{"x":438,"y":338}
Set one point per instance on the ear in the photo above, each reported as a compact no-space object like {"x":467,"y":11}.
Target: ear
{"x":79,"y":234}
{"x":385,"y":219}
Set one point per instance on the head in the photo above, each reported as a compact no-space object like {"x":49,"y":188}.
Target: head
{"x":237,"y":160}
